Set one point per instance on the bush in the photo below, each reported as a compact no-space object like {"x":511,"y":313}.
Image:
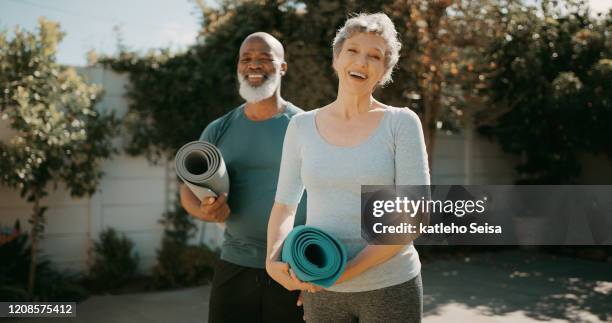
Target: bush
{"x":54,"y":286}
{"x":115,"y":263}
{"x":182,"y":266}
{"x":178,"y":264}
{"x":51,"y":285}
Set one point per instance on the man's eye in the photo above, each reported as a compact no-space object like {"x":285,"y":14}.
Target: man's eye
{"x":376,"y":57}
{"x":352,"y":50}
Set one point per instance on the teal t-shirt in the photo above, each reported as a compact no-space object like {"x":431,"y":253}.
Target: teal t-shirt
{"x":252,"y":152}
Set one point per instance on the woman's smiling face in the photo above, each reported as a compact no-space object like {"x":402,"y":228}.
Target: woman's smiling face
{"x":360,"y":64}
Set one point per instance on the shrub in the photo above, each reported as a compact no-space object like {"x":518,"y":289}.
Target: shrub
{"x":51,"y":285}
{"x":178,"y":264}
{"x":115,"y":262}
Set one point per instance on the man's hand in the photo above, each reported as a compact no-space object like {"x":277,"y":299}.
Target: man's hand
{"x":210,"y":210}
{"x":213,"y":209}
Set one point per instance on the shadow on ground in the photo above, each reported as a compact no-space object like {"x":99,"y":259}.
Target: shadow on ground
{"x":542,"y":286}
{"x":509,"y":286}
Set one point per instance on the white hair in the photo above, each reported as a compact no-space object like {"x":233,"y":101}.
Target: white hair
{"x":259,"y":93}
{"x":379,"y":24}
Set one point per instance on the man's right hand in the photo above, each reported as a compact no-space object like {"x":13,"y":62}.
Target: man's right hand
{"x":209,"y":210}
{"x":213,"y":209}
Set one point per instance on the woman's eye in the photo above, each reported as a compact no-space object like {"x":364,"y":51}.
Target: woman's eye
{"x":352,"y":50}
{"x":376,"y":57}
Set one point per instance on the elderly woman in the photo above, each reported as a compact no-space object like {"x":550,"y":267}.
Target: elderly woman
{"x":332,"y":151}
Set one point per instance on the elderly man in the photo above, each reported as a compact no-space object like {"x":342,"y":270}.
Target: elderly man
{"x":250,"y":138}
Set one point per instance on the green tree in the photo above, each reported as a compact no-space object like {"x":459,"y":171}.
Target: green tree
{"x":57,"y":135}
{"x":552,"y":92}
{"x":442,"y":68}
{"x":194,"y":87}
{"x":438,"y":74}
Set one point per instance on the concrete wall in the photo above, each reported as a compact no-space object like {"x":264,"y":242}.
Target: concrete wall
{"x":469,"y":159}
{"x":596,"y":170}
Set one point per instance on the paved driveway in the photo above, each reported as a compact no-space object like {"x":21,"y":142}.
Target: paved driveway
{"x":516,"y":286}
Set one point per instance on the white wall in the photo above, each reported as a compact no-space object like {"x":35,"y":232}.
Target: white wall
{"x":467,"y":158}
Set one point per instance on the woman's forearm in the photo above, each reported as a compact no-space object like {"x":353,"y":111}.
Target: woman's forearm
{"x":280,"y":224}
{"x":367,"y":258}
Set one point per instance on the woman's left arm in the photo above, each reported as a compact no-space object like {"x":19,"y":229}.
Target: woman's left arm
{"x":411,"y":168}
{"x":367,"y":258}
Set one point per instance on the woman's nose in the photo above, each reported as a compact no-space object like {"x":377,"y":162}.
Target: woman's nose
{"x":362,"y":60}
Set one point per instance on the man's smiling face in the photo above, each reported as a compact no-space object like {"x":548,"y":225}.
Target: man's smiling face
{"x":261,"y":65}
{"x":257,"y":61}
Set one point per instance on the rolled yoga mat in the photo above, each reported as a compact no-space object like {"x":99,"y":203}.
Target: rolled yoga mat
{"x":200,"y":165}
{"x":314,"y":255}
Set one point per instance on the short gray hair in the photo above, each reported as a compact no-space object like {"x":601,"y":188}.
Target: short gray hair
{"x":379,"y":24}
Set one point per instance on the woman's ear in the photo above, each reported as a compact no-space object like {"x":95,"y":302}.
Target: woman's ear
{"x":334,"y":63}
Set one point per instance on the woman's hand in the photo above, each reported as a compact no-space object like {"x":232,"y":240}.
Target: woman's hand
{"x":280,"y":224}
{"x":280,"y":272}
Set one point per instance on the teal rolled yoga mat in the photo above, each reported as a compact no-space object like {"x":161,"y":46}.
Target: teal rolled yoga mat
{"x":314,"y":255}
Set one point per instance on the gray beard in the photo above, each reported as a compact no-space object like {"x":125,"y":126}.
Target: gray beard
{"x":265,"y":90}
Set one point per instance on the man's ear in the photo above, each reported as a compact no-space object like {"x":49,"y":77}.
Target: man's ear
{"x":283,"y":68}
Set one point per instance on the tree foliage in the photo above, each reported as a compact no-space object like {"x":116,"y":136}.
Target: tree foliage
{"x":552,"y":92}
{"x":173,"y":97}
{"x":59,"y":136}
{"x":459,"y":59}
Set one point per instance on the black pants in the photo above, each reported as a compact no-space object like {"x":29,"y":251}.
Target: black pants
{"x":243,"y":294}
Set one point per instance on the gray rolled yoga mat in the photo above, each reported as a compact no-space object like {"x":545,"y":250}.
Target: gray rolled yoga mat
{"x":200,"y":165}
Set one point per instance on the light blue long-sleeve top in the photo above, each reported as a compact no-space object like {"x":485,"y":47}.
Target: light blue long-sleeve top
{"x":394,"y":153}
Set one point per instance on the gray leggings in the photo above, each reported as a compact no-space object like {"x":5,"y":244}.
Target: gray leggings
{"x":399,"y":303}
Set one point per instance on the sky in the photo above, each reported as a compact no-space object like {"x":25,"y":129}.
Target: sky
{"x":142,"y":24}
{"x":88,"y":24}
